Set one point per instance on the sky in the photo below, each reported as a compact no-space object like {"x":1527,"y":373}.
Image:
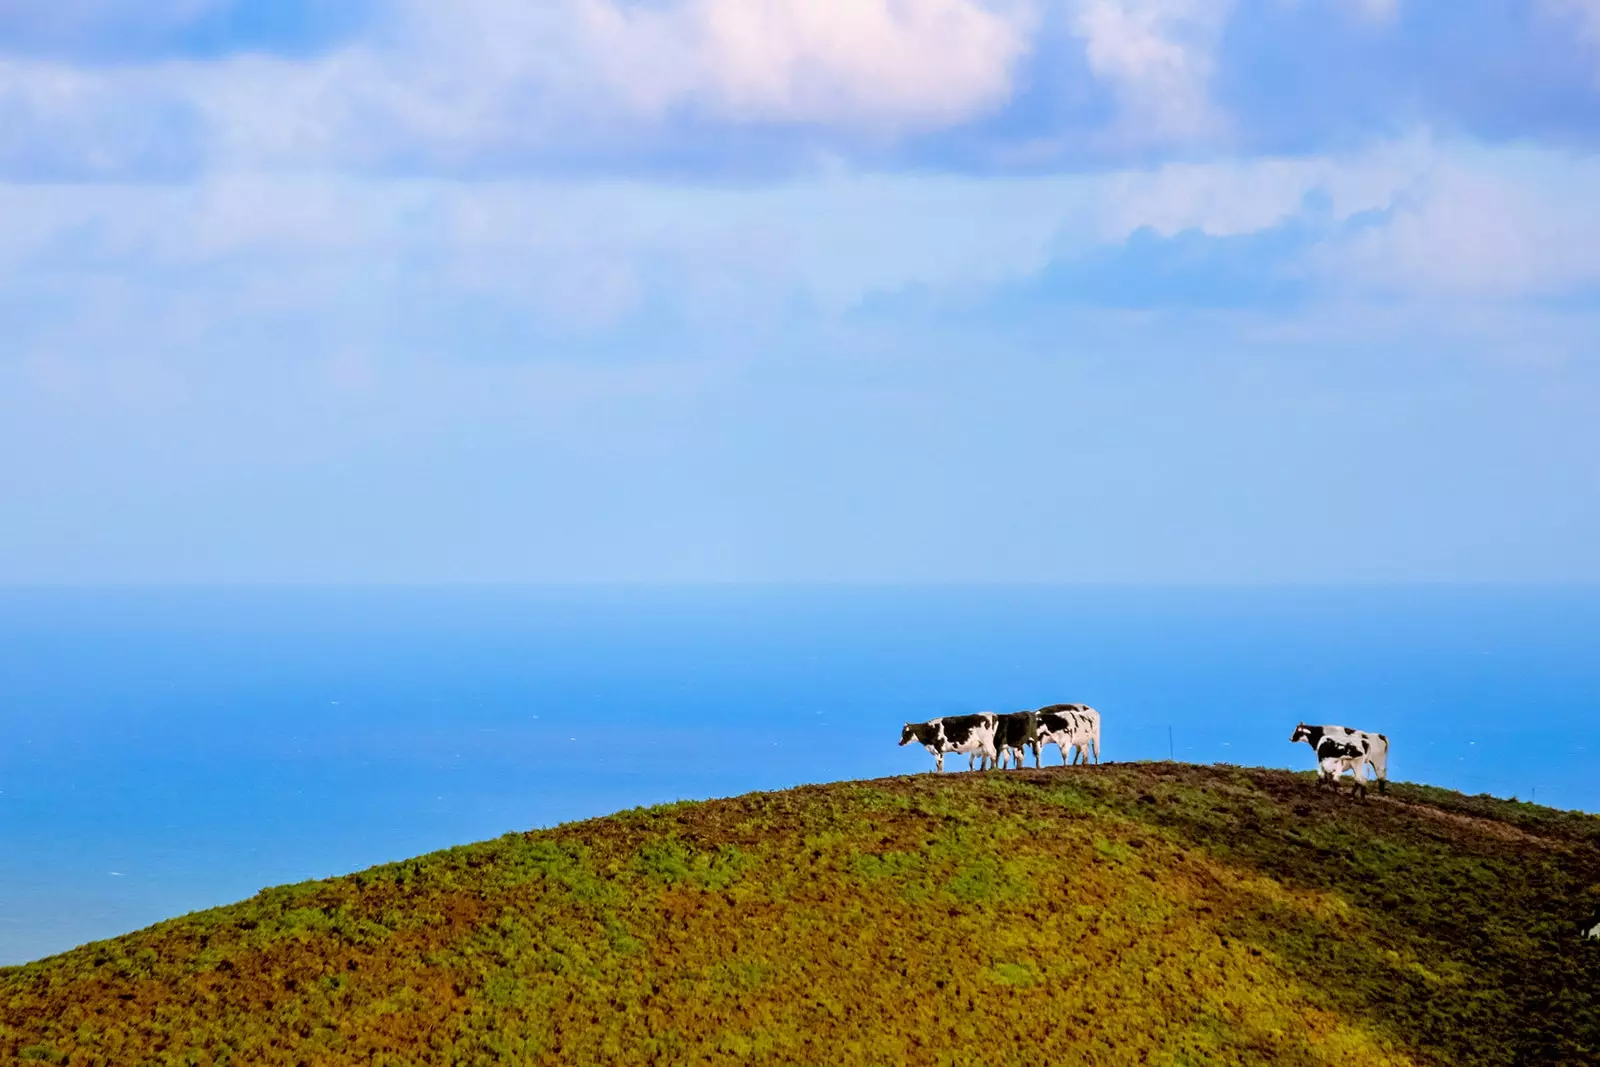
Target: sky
{"x":395,"y":291}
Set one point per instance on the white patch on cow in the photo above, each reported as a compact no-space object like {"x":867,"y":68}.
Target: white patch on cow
{"x":1594,"y":933}
{"x":1081,"y":733}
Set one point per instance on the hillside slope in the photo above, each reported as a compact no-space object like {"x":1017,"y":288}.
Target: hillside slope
{"x":1133,"y":913}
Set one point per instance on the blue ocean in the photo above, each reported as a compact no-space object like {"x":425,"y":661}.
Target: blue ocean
{"x":163,"y":750}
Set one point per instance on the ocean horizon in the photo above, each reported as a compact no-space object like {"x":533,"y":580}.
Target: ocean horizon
{"x":164,"y":750}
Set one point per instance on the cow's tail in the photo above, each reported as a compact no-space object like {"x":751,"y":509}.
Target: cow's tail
{"x":1378,"y":756}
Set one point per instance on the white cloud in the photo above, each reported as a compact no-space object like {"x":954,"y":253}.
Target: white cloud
{"x":1414,"y":219}
{"x":481,"y":78}
{"x":1241,"y":196}
{"x":1505,"y":225}
{"x":1160,"y":56}
{"x":898,"y":62}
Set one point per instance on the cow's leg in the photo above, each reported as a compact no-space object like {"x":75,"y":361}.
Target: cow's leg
{"x":1330,"y":770}
{"x":1036,"y":755}
{"x":938,"y":762}
{"x":1378,"y":756}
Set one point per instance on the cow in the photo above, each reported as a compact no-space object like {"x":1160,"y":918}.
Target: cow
{"x":1014,"y":733}
{"x":972,"y":734}
{"x":1341,"y":749}
{"x":1068,"y":725}
{"x":1594,"y":932}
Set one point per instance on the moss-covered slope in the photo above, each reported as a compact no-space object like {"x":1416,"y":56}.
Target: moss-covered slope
{"x":1140,"y":913}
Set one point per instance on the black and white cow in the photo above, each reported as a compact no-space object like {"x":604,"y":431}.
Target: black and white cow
{"x":1594,"y":932}
{"x":1341,"y":749}
{"x":1015,"y":733}
{"x":972,"y":734}
{"x":1069,"y":725}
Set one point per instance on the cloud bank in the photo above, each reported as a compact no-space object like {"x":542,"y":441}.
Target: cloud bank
{"x":799,"y":289}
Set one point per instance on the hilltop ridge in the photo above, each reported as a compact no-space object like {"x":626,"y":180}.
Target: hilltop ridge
{"x":1127,"y":913}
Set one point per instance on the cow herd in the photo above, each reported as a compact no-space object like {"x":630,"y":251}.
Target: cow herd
{"x":989,"y":740}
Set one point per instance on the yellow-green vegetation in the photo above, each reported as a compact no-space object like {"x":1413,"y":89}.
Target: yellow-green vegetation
{"x":1138,"y":913}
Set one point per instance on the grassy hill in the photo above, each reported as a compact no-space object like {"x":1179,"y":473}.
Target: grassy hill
{"x":1136,"y":913}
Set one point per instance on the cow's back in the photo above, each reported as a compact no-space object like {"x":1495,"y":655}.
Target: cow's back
{"x":961,"y":731}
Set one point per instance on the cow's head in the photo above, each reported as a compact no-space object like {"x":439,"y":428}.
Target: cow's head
{"x":1301,"y":733}
{"x":909,"y":733}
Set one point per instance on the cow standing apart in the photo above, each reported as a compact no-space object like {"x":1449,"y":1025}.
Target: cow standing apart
{"x":1015,"y":732}
{"x":1069,"y":725}
{"x":972,"y":734}
{"x":1341,"y":749}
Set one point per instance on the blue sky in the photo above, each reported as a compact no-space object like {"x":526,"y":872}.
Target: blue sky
{"x":802,"y":290}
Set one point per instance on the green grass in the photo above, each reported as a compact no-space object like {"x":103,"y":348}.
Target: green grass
{"x":1138,"y":913}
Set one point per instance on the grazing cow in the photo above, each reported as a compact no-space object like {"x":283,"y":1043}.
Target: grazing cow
{"x":1594,"y":932}
{"x":1015,"y":732}
{"x":1341,"y":749}
{"x":1068,"y":725}
{"x":972,"y":734}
